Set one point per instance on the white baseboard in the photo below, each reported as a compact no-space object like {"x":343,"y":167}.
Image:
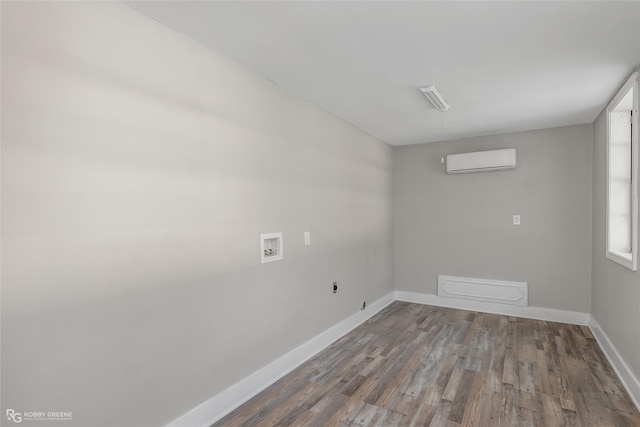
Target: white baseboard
{"x":224,"y":402}
{"x":629,"y":380}
{"x":538,"y":313}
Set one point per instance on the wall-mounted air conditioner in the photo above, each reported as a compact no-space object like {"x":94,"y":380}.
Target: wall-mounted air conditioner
{"x":482,"y":161}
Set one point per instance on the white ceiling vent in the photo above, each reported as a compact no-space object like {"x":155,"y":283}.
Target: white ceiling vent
{"x":482,"y":161}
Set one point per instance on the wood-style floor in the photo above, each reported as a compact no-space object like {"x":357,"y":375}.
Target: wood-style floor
{"x":418,"y":365}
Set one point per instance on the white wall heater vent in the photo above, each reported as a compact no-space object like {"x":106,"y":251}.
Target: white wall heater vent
{"x":482,"y":161}
{"x":496,"y":291}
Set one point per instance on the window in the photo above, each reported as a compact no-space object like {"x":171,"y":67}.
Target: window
{"x":622,"y":175}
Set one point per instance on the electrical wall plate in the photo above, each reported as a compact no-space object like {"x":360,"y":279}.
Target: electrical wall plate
{"x":271,"y":247}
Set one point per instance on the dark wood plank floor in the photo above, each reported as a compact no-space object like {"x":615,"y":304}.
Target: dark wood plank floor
{"x":418,"y":365}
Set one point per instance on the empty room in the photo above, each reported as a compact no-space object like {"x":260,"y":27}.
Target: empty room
{"x":319,"y":213}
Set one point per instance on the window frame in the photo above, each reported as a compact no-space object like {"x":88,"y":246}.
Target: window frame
{"x":632,"y":263}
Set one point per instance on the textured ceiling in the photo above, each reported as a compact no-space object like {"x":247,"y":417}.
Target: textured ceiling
{"x":503,"y":66}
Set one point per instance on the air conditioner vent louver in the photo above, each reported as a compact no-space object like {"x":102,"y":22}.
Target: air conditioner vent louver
{"x":482,"y":161}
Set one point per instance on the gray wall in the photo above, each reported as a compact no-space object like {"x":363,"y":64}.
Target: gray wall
{"x":461,"y":225}
{"x":138,"y":170}
{"x":615,"y":292}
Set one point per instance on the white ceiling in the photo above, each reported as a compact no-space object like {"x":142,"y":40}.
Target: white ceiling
{"x":503,"y":66}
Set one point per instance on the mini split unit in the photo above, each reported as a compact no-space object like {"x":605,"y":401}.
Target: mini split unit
{"x":482,"y":161}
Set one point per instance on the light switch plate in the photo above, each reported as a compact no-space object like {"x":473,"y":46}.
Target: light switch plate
{"x":307,"y":238}
{"x":516,"y":220}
